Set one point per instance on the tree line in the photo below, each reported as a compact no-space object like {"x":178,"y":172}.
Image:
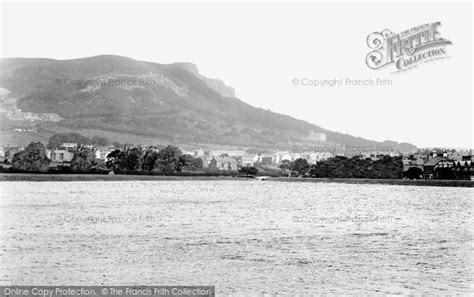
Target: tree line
{"x":166,"y":160}
{"x":129,"y":159}
{"x":171,"y":160}
{"x":343,"y":167}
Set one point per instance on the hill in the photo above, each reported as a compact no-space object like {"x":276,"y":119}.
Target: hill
{"x":126,"y":100}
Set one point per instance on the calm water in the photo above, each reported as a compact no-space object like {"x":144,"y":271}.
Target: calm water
{"x":244,"y":237}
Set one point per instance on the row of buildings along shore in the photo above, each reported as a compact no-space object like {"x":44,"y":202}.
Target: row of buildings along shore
{"x":221,"y":159}
{"x":429,"y":162}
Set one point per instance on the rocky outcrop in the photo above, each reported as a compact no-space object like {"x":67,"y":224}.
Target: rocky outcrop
{"x":215,"y":84}
{"x":220,"y":87}
{"x":8,"y":109}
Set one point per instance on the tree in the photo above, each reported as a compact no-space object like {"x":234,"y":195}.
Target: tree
{"x":248,"y":170}
{"x":300,"y":166}
{"x":286,"y":166}
{"x":185,"y":161}
{"x":316,"y":171}
{"x":150,"y":158}
{"x":111,"y":161}
{"x":32,"y":158}
{"x":83,"y":160}
{"x":196,"y":164}
{"x":343,"y":167}
{"x":413,"y":173}
{"x":131,"y":159}
{"x":169,"y":159}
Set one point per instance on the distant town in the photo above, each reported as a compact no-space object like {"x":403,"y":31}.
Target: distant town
{"x":316,"y":161}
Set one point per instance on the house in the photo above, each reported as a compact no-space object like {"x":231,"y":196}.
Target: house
{"x":439,"y":167}
{"x":373,"y":155}
{"x":206,"y":160}
{"x":408,"y":163}
{"x":248,"y":160}
{"x":191,"y":153}
{"x":284,"y":156}
{"x":444,"y":168}
{"x":295,"y":156}
{"x":463,"y":169}
{"x":11,"y":151}
{"x":266,"y":159}
{"x":61,"y":156}
{"x":453,"y":155}
{"x":430,"y":166}
{"x":48,"y":153}
{"x":101,"y":153}
{"x":223,"y":163}
{"x":199,"y":153}
{"x":231,"y":153}
{"x":69,"y":145}
{"x":316,"y":157}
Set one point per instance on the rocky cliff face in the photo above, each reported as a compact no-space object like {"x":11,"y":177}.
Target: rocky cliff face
{"x":220,"y":87}
{"x":215,"y":84}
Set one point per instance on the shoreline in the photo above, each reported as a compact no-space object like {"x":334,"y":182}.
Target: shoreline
{"x":394,"y":182}
{"x":44,"y":177}
{"x":31,"y":177}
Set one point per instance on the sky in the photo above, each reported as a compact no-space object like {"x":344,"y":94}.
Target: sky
{"x":267,"y":51}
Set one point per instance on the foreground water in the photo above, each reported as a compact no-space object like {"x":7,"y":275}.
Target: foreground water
{"x":244,"y":237}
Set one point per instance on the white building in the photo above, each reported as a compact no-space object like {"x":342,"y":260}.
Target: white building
{"x":230,"y":153}
{"x":319,"y":156}
{"x":69,"y":145}
{"x":223,"y":163}
{"x":199,"y":153}
{"x":61,"y":156}
{"x":101,"y":153}
{"x":282,"y":156}
{"x":249,"y":160}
